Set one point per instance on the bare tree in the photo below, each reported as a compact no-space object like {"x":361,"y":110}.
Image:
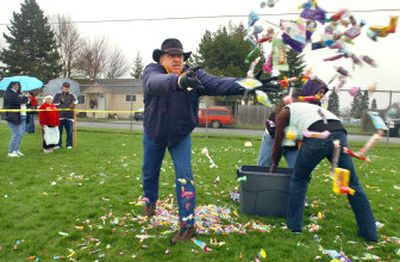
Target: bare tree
{"x":117,"y":64}
{"x":69,"y":43}
{"x":93,"y":58}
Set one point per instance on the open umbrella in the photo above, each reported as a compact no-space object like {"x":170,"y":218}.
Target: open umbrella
{"x":54,"y":86}
{"x":28,"y":83}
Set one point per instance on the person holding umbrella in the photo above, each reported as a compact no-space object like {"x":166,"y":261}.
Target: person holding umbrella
{"x":65,"y":100}
{"x":14,"y":99}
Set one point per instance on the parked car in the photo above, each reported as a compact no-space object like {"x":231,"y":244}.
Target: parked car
{"x":217,"y":116}
{"x":394,"y":127}
{"x":139,"y":115}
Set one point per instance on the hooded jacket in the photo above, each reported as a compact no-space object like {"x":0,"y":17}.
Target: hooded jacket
{"x":170,"y":114}
{"x":49,"y":117}
{"x":65,"y":101}
{"x":13,"y":100}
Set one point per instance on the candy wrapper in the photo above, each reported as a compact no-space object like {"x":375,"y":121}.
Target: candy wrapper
{"x":341,"y":180}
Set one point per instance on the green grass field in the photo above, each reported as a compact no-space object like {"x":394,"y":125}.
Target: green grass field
{"x":74,"y":191}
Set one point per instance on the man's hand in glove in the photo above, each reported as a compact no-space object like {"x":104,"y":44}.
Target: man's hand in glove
{"x":188,"y":80}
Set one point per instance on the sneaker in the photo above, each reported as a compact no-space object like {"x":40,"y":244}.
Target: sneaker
{"x":56,"y":147}
{"x":69,"y":147}
{"x":184,"y":235}
{"x":19,"y":153}
{"x":13,"y":154}
{"x":150,"y":210}
{"x":46,"y":151}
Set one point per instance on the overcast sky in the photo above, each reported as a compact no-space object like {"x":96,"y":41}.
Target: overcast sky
{"x":145,"y":36}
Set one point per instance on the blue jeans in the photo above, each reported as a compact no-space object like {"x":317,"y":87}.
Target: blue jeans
{"x":30,"y":123}
{"x":181,"y":154}
{"x":311,"y":153}
{"x":17,"y":132}
{"x":68,"y":124}
{"x":265,"y":154}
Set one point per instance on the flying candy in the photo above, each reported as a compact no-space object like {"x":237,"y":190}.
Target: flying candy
{"x":284,"y":83}
{"x":250,"y":72}
{"x":205,"y":153}
{"x":279,"y":58}
{"x":383,"y":31}
{"x":308,"y":98}
{"x":369,"y":60}
{"x":253,"y":18}
{"x":262,"y":98}
{"x":354,"y":90}
{"x":342,"y":71}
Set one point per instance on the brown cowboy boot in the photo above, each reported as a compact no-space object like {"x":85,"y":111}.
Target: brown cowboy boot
{"x":150,"y":210}
{"x":184,"y":234}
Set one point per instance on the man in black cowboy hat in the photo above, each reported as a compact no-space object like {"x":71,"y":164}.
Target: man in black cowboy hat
{"x":171,"y":100}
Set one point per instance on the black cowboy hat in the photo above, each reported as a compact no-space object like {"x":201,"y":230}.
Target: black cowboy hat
{"x":170,"y":46}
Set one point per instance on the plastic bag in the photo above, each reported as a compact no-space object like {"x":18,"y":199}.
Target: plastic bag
{"x":51,"y":135}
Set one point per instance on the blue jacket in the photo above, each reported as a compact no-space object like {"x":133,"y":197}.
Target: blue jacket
{"x":170,"y":113}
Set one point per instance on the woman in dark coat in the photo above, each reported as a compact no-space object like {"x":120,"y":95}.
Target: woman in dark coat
{"x":14,"y":99}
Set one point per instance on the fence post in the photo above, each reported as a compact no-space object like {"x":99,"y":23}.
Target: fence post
{"x":390,"y":105}
{"x":75,"y":128}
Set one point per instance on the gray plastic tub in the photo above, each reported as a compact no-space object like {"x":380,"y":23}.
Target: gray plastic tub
{"x":264,"y":194}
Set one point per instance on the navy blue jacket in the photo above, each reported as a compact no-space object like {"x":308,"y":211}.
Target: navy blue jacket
{"x":13,"y":100}
{"x":170,"y":113}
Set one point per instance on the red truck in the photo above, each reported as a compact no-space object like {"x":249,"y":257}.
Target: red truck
{"x":217,"y":116}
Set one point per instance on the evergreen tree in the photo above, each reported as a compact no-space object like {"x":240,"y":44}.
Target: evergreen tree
{"x":32,"y":47}
{"x":224,"y":52}
{"x":364,"y":102}
{"x":296,"y":67}
{"x":356,"y":106}
{"x":333,"y":103}
{"x":374,"y":105}
{"x":137,"y":70}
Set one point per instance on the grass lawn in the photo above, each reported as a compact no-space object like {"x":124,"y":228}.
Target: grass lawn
{"x":90,"y":194}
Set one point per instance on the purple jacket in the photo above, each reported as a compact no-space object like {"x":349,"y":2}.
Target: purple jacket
{"x":170,"y":113}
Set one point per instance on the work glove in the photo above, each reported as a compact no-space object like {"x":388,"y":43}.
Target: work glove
{"x":188,"y":80}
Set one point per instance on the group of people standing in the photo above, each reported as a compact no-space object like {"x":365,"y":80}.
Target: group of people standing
{"x":51,"y":119}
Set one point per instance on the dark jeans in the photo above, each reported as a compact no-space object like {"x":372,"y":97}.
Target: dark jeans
{"x":181,"y":154}
{"x":68,"y":124}
{"x":30,"y":123}
{"x":311,"y":153}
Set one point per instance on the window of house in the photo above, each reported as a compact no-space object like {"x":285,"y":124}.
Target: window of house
{"x":81,"y":99}
{"x":130,"y":98}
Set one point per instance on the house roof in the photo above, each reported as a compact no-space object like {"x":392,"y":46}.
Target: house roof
{"x":124,"y":85}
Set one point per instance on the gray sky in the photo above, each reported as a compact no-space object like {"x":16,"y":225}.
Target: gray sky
{"x":145,"y":36}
